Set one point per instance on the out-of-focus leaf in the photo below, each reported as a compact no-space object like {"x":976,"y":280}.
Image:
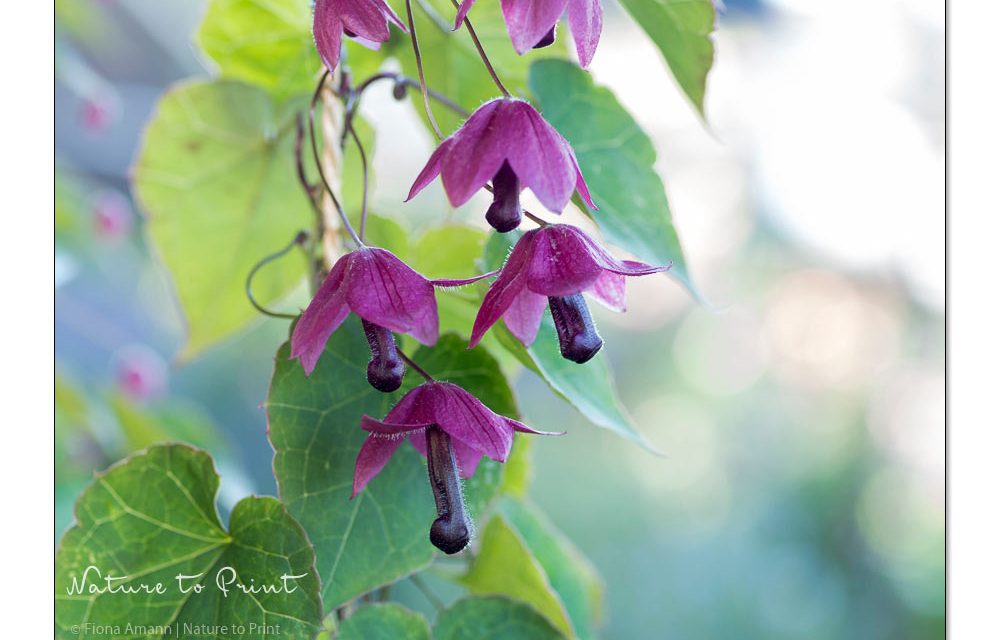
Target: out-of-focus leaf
{"x":314,"y":425}
{"x":518,"y":469}
{"x":616,"y":158}
{"x":384,"y":622}
{"x":493,"y":618}
{"x":589,"y":387}
{"x":268,"y":43}
{"x":571,"y":575}
{"x":506,"y":566}
{"x":175,"y":421}
{"x":217,"y":180}
{"x":152,"y":517}
{"x":681,"y":30}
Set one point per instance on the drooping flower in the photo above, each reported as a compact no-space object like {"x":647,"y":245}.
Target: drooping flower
{"x":508,"y":142}
{"x":555,"y":264}
{"x":387,"y":295}
{"x":532,"y":23}
{"x":453,"y":430}
{"x":367,"y":21}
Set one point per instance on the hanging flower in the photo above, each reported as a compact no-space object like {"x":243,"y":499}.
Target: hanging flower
{"x":364,"y":20}
{"x":532,"y":23}
{"x":453,"y":430}
{"x":387,"y":295}
{"x":554,"y":265}
{"x":508,"y":142}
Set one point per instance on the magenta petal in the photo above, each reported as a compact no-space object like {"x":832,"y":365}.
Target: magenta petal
{"x":504,"y":289}
{"x":585,"y":19}
{"x":465,"y":418}
{"x":391,"y":15}
{"x":636,"y":268}
{"x":477,"y":151}
{"x":524,"y":316}
{"x":326,"y":311}
{"x":606,"y":261}
{"x":540,"y":157}
{"x":467,"y":457}
{"x":610,"y":290}
{"x":414,"y":408}
{"x":440,"y":282}
{"x":385,"y":291}
{"x":517,"y":426}
{"x":528,"y":21}
{"x":582,"y":189}
{"x":375,"y":452}
{"x":430,"y":170}
{"x":327,"y":31}
{"x":379,"y":427}
{"x":461,"y":14}
{"x":562,"y":262}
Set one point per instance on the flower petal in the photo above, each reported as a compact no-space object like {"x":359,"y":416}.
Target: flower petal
{"x":466,"y":457}
{"x":585,"y":19}
{"x":375,"y":452}
{"x":582,"y":189}
{"x":610,"y":290}
{"x":382,"y":289}
{"x":562,"y":262}
{"x":430,"y":170}
{"x":528,"y":21}
{"x":517,"y":426}
{"x":524,"y":315}
{"x":504,"y":289}
{"x":540,"y":156}
{"x":326,"y":311}
{"x":610,"y":263}
{"x":461,"y":14}
{"x":465,"y":418}
{"x":463,"y":282}
{"x":411,"y":413}
{"x":327,"y":31}
{"x":477,"y":151}
{"x":367,"y":19}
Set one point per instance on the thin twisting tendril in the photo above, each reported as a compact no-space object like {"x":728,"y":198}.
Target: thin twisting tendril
{"x":299,"y":239}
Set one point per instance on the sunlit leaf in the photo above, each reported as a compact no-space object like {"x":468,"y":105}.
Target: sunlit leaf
{"x":216,"y":178}
{"x":268,"y":43}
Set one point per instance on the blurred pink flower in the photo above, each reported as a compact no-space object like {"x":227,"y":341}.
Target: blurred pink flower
{"x":112,"y":215}
{"x":141,"y":373}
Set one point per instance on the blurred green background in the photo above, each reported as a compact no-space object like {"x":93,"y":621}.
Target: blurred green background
{"x":801,"y":492}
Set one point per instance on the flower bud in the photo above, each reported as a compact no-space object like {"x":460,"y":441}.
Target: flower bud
{"x":385,"y":369}
{"x":579,"y":339}
{"x":450,"y":532}
{"x":505,"y":213}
